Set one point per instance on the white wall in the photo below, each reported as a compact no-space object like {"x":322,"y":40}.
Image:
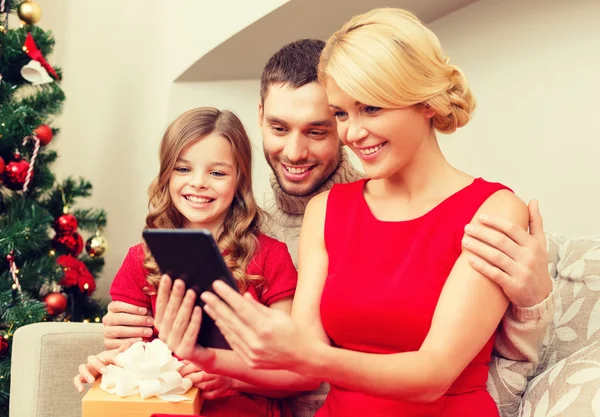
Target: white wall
{"x":241,"y":97}
{"x":533,"y":66}
{"x":119,"y":59}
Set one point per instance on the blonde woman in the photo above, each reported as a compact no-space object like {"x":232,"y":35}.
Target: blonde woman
{"x":390,"y":308}
{"x":205,"y":182}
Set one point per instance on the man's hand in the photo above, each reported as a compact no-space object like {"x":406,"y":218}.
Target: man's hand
{"x":125,"y":323}
{"x":514,"y":259}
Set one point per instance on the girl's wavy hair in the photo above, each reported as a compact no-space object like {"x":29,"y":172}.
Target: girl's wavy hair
{"x":239,"y":237}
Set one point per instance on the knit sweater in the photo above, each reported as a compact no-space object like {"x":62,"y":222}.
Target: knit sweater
{"x":286,"y":212}
{"x":519,"y":335}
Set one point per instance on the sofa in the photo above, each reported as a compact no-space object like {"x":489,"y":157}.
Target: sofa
{"x":565,"y":382}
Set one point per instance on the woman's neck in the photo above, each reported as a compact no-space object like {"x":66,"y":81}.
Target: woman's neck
{"x":428,"y":173}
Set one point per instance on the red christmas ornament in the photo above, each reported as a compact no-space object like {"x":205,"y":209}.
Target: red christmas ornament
{"x":76,"y":273}
{"x":2,"y":165}
{"x":44,"y":133}
{"x":10,"y":258}
{"x":15,"y":173}
{"x":56,"y":303}
{"x":33,"y":52}
{"x":86,"y":284}
{"x":3,"y":346}
{"x":66,"y":224}
{"x":71,"y":244}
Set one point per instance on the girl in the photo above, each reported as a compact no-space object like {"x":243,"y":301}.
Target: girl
{"x":205,"y":182}
{"x":389,"y":308}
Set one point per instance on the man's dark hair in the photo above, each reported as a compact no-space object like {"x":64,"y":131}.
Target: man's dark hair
{"x":294,"y":65}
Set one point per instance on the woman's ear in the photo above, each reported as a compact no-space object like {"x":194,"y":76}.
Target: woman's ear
{"x":428,"y":112}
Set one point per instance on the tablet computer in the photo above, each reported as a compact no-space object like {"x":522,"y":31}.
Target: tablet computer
{"x":193,"y":256}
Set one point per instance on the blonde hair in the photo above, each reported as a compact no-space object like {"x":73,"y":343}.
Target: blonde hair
{"x":239,"y":238}
{"x":388,"y":58}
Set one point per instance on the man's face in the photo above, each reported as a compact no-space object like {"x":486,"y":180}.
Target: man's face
{"x":299,"y":137}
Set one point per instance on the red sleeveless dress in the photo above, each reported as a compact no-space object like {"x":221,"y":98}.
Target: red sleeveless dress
{"x":383,"y":284}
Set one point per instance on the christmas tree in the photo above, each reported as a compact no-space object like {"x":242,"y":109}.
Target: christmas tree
{"x":44,"y":273}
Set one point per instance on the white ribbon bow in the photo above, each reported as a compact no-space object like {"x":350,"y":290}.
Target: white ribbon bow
{"x":148,"y":369}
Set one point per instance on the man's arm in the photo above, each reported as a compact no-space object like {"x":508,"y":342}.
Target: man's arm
{"x":125,"y":322}
{"x":518,"y":262}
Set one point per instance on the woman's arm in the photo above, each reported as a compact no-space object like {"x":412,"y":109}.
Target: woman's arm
{"x":284,"y":305}
{"x":467,"y":315}
{"x":518,"y":262}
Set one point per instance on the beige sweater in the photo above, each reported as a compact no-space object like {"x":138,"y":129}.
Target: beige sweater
{"x":519,"y":335}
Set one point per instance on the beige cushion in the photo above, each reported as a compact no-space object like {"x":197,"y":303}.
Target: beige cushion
{"x":576,"y":322}
{"x":571,"y":388}
{"x":45,"y":357}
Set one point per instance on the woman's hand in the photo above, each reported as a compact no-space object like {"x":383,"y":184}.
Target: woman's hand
{"x":178,"y":322}
{"x":211,"y":386}
{"x":96,"y":365}
{"x":265,"y":338}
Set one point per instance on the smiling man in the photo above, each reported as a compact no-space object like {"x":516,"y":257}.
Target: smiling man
{"x":300,"y":139}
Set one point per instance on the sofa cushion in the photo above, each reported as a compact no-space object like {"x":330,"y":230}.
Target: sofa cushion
{"x":576,"y":322}
{"x":569,"y":388}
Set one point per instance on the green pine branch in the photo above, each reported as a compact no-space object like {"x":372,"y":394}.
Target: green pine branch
{"x":28,"y":311}
{"x":66,"y":193}
{"x":24,"y":227}
{"x":20,"y":118}
{"x":35,"y":272}
{"x":90,"y":220}
{"x":4,"y":384}
{"x":94,"y":265}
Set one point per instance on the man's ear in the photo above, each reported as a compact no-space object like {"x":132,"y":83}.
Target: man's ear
{"x":261,"y":115}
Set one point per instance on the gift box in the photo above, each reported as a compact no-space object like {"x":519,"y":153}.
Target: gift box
{"x":143,"y":380}
{"x":97,"y":403}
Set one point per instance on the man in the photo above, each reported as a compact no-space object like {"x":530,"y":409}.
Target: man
{"x":306,"y":156}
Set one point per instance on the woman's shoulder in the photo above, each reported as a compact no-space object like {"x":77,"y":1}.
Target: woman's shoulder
{"x":501,"y":200}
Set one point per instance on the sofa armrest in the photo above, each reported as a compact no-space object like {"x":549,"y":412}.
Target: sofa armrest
{"x":45,"y":358}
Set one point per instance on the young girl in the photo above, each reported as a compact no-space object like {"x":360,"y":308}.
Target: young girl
{"x":389,"y":307}
{"x":205,"y":182}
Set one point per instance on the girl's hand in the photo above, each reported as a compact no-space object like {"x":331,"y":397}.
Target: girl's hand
{"x":265,"y":338}
{"x":178,"y":322}
{"x":211,"y":386}
{"x":96,"y":365}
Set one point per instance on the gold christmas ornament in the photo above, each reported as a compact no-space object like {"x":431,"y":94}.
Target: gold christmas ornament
{"x":30,"y":12}
{"x":96,"y":245}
